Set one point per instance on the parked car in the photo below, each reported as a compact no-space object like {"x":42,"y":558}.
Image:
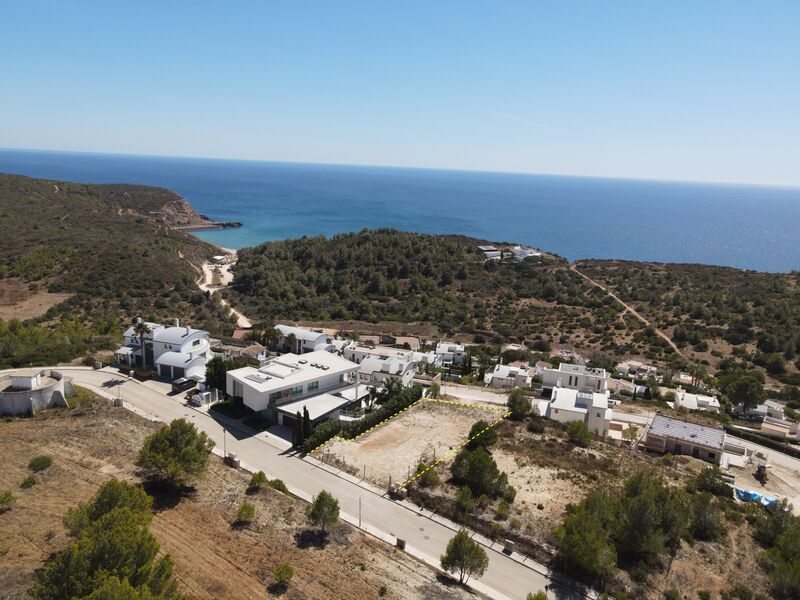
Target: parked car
{"x":183,"y":384}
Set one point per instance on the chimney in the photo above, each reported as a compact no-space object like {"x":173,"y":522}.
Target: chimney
{"x":177,"y":323}
{"x":188,"y":330}
{"x":138,"y":320}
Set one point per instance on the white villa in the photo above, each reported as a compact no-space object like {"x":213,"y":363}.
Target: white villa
{"x":450,"y":353}
{"x":299,"y":340}
{"x":376,"y":371}
{"x":507,"y":377}
{"x":490,"y":252}
{"x":522,"y":252}
{"x":567,"y":405}
{"x":356,"y":352}
{"x":770,"y":408}
{"x":278,"y":390}
{"x":174,"y":351}
{"x":576,"y":377}
{"x":684,"y":399}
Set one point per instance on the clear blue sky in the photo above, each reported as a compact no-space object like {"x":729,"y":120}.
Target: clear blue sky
{"x":670,"y":90}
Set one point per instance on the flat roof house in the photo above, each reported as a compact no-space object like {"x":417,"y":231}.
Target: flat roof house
{"x":577,"y":377}
{"x":666,"y":434}
{"x":507,"y":377}
{"x":567,"y":405}
{"x":285,"y":385}
{"x":490,"y":252}
{"x":355,"y":352}
{"x":300,"y":340}
{"x":376,"y":371}
{"x":684,"y":399}
{"x":450,"y":353}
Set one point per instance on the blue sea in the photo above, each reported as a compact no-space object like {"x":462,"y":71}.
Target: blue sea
{"x":748,"y":227}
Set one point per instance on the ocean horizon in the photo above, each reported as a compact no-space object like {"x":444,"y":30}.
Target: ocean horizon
{"x":743,"y":226}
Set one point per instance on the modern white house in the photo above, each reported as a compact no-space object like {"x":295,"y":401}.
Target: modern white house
{"x":666,"y":434}
{"x":450,"y":353}
{"x":288,"y":384}
{"x":490,"y":252}
{"x":576,"y":377}
{"x":505,"y":377}
{"x":376,"y":371}
{"x":780,"y":428}
{"x":567,"y":405}
{"x":522,"y":252}
{"x":769,"y":408}
{"x":356,"y":352}
{"x":174,"y":351}
{"x":300,"y":340}
{"x":684,"y":399}
{"x":636,"y":369}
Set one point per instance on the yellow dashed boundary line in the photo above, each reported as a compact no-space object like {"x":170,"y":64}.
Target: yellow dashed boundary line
{"x":447,"y":455}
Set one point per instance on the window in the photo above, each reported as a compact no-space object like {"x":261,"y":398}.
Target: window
{"x":196,"y":343}
{"x":314,"y":385}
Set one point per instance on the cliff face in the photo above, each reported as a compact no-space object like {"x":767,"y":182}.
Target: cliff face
{"x":162,"y":205}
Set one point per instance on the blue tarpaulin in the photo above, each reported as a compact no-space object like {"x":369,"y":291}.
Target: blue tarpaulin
{"x":752,"y":496}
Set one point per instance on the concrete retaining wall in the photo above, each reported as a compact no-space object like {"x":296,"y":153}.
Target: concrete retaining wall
{"x":29,"y":402}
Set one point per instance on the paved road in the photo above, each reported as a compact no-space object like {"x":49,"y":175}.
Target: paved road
{"x":426,"y":534}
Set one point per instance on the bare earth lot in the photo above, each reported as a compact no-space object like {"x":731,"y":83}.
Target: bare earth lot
{"x":213,"y":560}
{"x":18,"y":302}
{"x":424,"y":433}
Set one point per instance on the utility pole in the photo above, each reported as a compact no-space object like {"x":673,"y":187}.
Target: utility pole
{"x":224,"y":443}
{"x":359,"y":512}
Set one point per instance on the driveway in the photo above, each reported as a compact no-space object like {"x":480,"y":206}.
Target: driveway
{"x":426,"y":534}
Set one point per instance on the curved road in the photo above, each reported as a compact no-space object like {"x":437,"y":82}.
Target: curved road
{"x":425,"y":533}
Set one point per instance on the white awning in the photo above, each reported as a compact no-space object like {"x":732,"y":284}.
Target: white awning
{"x":125,"y":351}
{"x":318,"y":406}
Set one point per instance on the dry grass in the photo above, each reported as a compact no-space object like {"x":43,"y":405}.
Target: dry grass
{"x":213,"y":560}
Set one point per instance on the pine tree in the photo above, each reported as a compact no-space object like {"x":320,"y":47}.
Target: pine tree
{"x":306,"y":423}
{"x":299,"y":438}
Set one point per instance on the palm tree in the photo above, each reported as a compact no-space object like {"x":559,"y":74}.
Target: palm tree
{"x":290,"y":341}
{"x":141,"y":329}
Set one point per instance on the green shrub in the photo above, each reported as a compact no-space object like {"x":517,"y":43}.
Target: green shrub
{"x":536,"y":425}
{"x":258,"y":481}
{"x":40,"y":463}
{"x":246,"y":513}
{"x":28,"y":482}
{"x":503,"y":510}
{"x":176,"y":454}
{"x":323,"y":510}
{"x":429,"y":478}
{"x":481,"y":435}
{"x":6,"y":500}
{"x":519,"y":405}
{"x":277,"y":484}
{"x":578,"y":433}
{"x":282,"y":574}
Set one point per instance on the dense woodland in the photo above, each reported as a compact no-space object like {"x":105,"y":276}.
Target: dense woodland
{"x":115,"y":262}
{"x":388,"y":275}
{"x":715,"y":311}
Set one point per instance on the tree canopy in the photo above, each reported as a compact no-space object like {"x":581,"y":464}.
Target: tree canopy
{"x":176,"y":454}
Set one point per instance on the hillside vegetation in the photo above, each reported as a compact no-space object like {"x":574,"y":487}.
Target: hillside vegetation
{"x":387,"y":275}
{"x":711,"y":312}
{"x":109,"y":249}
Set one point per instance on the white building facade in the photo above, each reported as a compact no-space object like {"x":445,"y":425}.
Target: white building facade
{"x":576,"y":377}
{"x":309,"y":381}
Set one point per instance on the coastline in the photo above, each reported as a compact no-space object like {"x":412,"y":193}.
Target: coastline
{"x":208,"y":226}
